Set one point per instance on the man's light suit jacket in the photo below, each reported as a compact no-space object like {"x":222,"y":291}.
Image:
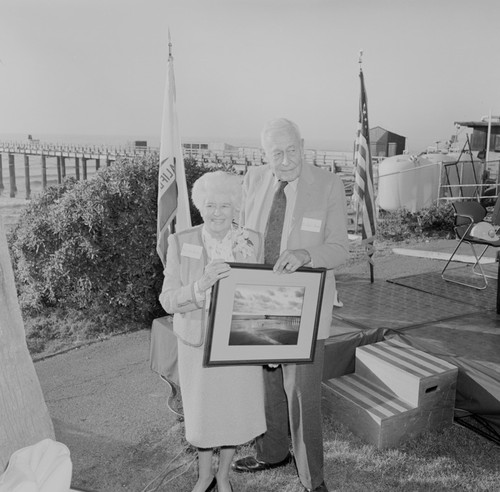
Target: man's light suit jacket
{"x":319,"y":222}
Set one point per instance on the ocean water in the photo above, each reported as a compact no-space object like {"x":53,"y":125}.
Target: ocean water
{"x":35,"y":174}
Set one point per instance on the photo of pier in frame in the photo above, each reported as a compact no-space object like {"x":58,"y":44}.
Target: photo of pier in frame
{"x":257,"y":316}
{"x":263,"y":315}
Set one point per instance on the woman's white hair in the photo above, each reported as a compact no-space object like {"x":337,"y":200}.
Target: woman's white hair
{"x":218,"y":183}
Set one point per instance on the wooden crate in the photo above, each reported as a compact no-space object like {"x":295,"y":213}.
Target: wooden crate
{"x":413,"y":375}
{"x":392,"y":398}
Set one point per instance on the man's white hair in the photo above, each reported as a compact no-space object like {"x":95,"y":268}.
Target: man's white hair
{"x":278,"y":124}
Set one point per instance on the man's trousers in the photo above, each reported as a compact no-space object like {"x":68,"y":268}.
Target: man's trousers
{"x":293,"y":407}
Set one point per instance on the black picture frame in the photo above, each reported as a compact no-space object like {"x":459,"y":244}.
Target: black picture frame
{"x":260,"y":317}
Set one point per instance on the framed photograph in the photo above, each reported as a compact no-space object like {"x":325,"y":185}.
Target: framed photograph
{"x":260,"y":317}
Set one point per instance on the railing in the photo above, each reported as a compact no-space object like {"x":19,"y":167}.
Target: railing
{"x":469,"y":180}
{"x":34,"y":147}
{"x":242,"y":157}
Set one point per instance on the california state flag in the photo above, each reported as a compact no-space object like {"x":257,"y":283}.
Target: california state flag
{"x":173,"y":199}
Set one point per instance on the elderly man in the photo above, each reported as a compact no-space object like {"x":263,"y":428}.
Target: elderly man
{"x":301,"y":210}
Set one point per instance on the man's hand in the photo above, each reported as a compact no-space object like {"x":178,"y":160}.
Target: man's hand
{"x":291,"y":259}
{"x":214,"y":271}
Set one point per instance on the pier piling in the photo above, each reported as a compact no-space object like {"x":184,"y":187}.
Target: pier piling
{"x":27,"y":176}
{"x":59,"y":172}
{"x":84,"y":167}
{"x":44,"y":172}
{"x":12,"y":176}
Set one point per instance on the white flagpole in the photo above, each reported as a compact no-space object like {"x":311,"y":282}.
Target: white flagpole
{"x":173,"y":198}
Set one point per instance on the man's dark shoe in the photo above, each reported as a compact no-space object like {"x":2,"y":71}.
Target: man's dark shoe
{"x":320,"y":488}
{"x":249,"y":464}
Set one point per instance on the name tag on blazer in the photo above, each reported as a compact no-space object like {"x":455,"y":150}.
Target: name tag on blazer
{"x":310,"y":225}
{"x":191,"y":250}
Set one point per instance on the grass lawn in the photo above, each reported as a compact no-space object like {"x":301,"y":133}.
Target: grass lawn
{"x":454,"y":459}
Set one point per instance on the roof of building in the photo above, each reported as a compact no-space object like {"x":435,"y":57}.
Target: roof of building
{"x":478,"y":124}
{"x":376,"y":129}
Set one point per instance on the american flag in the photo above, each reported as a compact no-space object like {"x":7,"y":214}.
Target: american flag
{"x":173,"y":198}
{"x":363,"y":193}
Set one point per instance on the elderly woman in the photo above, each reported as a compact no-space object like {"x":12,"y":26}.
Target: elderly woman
{"x":223,"y":406}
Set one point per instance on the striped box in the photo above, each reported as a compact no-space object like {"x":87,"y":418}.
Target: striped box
{"x":413,"y":375}
{"x":396,"y":393}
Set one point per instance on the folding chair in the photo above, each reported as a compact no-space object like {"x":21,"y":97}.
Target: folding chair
{"x":470,"y":228}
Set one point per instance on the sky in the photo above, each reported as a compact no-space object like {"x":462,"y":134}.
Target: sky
{"x":258,"y":299}
{"x":98,"y":67}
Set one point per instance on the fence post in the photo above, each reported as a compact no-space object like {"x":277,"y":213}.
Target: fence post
{"x":44,"y":172}
{"x":12,"y":176}
{"x":97,"y":164}
{"x":77,"y":168}
{"x":1,"y":174}
{"x":27,"y":183}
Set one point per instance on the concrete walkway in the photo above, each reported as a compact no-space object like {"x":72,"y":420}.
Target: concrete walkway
{"x":110,"y":409}
{"x":442,"y":249}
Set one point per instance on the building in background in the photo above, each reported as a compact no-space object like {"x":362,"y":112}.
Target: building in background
{"x":384,"y":143}
{"x":479,"y":137}
{"x":208,"y":146}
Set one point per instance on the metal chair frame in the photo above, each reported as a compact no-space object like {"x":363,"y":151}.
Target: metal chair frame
{"x":467,"y":214}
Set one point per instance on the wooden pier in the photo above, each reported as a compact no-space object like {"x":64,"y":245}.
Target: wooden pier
{"x":78,"y":155}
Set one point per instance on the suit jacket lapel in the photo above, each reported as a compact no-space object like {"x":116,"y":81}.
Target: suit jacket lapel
{"x":262,"y":190}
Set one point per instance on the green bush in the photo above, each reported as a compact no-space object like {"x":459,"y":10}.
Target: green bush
{"x":86,"y":250}
{"x":435,"y":221}
{"x":91,"y":245}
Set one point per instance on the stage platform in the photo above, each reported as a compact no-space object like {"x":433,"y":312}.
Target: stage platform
{"x":456,"y":323}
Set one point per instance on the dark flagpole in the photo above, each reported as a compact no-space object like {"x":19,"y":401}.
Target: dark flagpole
{"x":365,"y":193}
{"x":369,"y":171}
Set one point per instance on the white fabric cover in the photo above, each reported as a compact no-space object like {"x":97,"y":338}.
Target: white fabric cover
{"x":484,"y":231}
{"x":42,"y":467}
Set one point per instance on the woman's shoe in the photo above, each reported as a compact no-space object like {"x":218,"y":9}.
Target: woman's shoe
{"x":212,"y":486}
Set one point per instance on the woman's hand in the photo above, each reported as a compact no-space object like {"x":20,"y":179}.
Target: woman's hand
{"x":214,"y":271}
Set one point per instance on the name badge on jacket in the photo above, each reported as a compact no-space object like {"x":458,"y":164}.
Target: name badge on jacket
{"x":191,"y":250}
{"x":310,"y":225}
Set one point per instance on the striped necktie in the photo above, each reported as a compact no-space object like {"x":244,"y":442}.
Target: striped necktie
{"x":274,"y":228}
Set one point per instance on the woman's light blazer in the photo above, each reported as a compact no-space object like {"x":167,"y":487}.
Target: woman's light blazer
{"x":184,"y":267}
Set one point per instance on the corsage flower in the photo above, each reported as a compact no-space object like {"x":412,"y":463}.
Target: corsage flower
{"x":242,"y":243}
